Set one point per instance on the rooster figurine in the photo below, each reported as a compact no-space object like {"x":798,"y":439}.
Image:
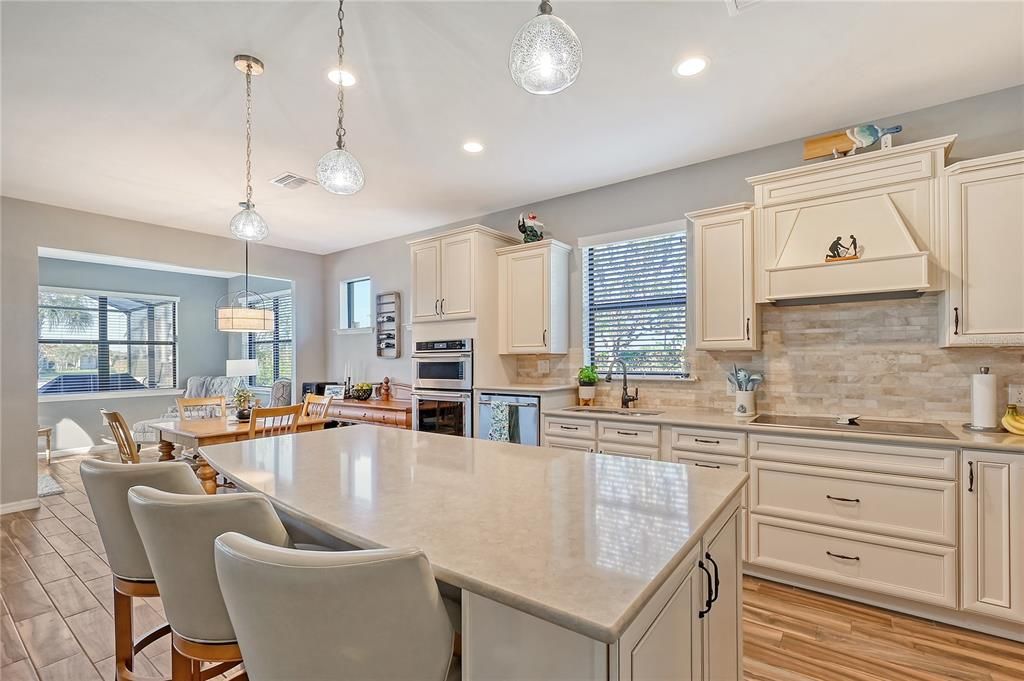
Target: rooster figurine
{"x":531,"y":228}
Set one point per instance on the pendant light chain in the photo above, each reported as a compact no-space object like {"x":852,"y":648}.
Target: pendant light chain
{"x":340,"y":131}
{"x":248,"y":135}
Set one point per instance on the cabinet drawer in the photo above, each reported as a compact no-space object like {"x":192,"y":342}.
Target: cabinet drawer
{"x":643,"y":434}
{"x":711,"y":441}
{"x":703,"y":460}
{"x":628,"y":450}
{"x":912,"y":508}
{"x":912,"y":570}
{"x":927,"y":462}
{"x":568,"y":443}
{"x":560,"y":426}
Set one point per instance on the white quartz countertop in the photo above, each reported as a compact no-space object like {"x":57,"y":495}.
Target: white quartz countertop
{"x":700,"y":417}
{"x":526,"y":387}
{"x":581,"y":540}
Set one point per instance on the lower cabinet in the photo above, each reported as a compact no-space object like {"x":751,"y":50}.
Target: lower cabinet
{"x":569,"y":443}
{"x":694,"y":634}
{"x":992,"y":533}
{"x":627,"y":450}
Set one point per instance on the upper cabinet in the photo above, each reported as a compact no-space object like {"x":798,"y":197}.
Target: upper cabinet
{"x":885,"y":199}
{"x":533,"y":298}
{"x":453,"y":272}
{"x":984,"y":201}
{"x":723,"y":283}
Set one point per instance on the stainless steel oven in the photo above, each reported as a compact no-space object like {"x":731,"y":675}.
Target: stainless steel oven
{"x":442,"y":387}
{"x":443,"y":411}
{"x":443,"y":365}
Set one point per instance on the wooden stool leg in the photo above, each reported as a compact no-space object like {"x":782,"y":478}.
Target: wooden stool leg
{"x":182,"y":668}
{"x":124,"y":643}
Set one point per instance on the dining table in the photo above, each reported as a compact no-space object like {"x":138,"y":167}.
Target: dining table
{"x":192,"y":434}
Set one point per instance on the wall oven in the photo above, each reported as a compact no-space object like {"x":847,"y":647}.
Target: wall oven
{"x":442,"y":388}
{"x":443,"y":365}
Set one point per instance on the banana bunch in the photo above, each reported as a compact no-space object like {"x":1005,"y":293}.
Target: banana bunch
{"x":1013,"y":421}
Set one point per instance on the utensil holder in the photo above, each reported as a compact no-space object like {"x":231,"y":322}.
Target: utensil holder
{"x":745,"y":403}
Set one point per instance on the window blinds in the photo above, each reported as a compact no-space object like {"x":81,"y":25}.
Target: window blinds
{"x":273,"y":350}
{"x":634,"y":303}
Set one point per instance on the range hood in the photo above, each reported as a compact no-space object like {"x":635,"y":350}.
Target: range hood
{"x":885,"y":199}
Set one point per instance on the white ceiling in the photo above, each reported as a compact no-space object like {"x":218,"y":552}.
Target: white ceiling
{"x":134,"y":109}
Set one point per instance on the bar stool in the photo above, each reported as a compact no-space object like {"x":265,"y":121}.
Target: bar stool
{"x":106,"y":485}
{"x":347,"y":616}
{"x":178,"y":531}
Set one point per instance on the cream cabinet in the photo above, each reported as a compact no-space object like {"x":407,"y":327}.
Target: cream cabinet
{"x":992,"y":533}
{"x":723,"y":281}
{"x":533,"y":298}
{"x":448,"y":272}
{"x":723,"y":640}
{"x":984,"y":304}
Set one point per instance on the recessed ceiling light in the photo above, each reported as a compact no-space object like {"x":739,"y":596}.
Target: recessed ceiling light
{"x":690,"y":66}
{"x":345,"y":78}
{"x":473,"y":147}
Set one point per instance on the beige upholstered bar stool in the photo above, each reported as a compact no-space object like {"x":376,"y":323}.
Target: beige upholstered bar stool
{"x":345,"y":616}
{"x":178,"y":531}
{"x":107,"y":485}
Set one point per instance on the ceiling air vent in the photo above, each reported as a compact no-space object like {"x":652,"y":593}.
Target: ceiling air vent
{"x":737,"y":6}
{"x":291,"y":181}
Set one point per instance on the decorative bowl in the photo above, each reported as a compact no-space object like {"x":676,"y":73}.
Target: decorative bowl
{"x":361,"y":393}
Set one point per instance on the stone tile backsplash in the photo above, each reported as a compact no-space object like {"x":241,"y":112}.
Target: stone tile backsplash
{"x":878,"y":358}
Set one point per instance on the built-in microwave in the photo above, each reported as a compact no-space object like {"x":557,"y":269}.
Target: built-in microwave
{"x":443,"y":365}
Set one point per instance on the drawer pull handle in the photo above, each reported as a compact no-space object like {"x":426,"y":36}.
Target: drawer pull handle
{"x":956,"y":321}
{"x":569,"y":427}
{"x":714,"y":565}
{"x":970,"y":477}
{"x":706,"y":442}
{"x":707,"y":603}
{"x":852,"y":501}
{"x":842,"y":557}
{"x":707,"y":465}
{"x":627,"y":432}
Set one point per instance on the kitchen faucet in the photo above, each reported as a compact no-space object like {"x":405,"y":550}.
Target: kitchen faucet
{"x":627,"y":399}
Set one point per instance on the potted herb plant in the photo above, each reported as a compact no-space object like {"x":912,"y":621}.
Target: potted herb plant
{"x":587,"y":378}
{"x":243,"y":400}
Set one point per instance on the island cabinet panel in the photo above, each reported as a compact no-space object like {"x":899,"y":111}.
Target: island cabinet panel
{"x":992,"y":533}
{"x":723,"y":651}
{"x":666,"y":640}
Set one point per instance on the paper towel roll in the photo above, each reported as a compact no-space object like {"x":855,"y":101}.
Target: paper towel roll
{"x":983,"y":400}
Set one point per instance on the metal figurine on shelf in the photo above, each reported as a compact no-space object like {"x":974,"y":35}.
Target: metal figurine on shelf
{"x":838,"y":251}
{"x":531,"y":228}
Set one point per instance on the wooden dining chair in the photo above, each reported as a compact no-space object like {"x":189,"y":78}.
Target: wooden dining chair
{"x":274,"y":421}
{"x":201,"y":407}
{"x":126,"y":446}
{"x":316,"y":406}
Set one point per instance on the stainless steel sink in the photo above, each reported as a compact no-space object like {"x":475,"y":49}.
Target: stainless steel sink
{"x":875,"y":427}
{"x":613,"y":410}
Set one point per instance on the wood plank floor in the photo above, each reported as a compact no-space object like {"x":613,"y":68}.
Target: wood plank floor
{"x":55,"y":621}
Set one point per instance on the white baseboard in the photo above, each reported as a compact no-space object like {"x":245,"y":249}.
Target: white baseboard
{"x":15,"y":506}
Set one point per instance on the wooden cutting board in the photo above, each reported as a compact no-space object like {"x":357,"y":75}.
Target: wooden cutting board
{"x":822,"y":145}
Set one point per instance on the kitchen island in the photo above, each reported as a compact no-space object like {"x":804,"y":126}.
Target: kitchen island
{"x":569,"y":565}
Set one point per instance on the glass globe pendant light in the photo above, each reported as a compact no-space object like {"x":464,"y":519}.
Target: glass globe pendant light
{"x":546,"y":54}
{"x":247,"y":223}
{"x":338,"y":171}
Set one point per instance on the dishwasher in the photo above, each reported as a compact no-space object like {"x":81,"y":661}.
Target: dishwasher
{"x":523,"y":417}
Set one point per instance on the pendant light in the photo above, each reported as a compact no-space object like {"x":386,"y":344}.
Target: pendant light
{"x":245,"y":311}
{"x":247,"y":223}
{"x":546,"y":55}
{"x":338,"y":171}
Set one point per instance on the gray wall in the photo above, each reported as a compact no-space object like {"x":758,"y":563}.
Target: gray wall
{"x":202,"y":350}
{"x":987,"y":124}
{"x":28,"y":226}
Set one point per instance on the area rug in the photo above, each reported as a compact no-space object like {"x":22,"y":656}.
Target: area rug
{"x":48,"y":486}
